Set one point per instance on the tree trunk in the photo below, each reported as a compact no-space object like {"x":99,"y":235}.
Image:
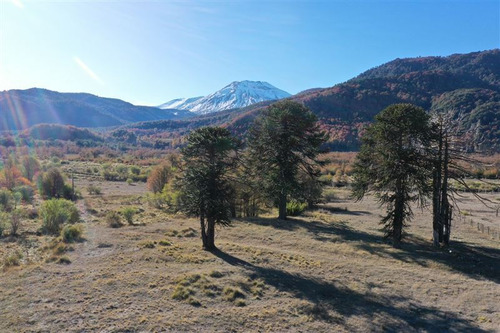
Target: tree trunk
{"x":436,"y":193}
{"x":282,"y":207}
{"x":446,"y":238}
{"x":445,"y":205}
{"x":204,"y":239}
{"x":209,"y":245}
{"x":397,"y":224}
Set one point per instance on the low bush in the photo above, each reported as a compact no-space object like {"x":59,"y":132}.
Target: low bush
{"x":232,"y":294}
{"x":113,"y":219}
{"x":13,"y":259}
{"x":128,"y":214}
{"x":6,"y":200}
{"x":329,"y":195}
{"x":15,"y":221}
{"x":295,"y":208}
{"x":64,"y":260}
{"x":55,"y":212}
{"x":135,"y":170}
{"x":71,"y":233}
{"x":4,"y":218}
{"x":94,"y":189}
{"x":27,"y":193}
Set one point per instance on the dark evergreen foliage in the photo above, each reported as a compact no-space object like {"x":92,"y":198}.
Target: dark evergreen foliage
{"x":209,"y":156}
{"x":393,"y":163}
{"x":283,"y":141}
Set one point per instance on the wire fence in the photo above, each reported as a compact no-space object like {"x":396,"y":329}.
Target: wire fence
{"x":493,"y":232}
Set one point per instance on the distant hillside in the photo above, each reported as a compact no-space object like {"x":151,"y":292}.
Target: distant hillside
{"x":463,"y":87}
{"x":59,"y":132}
{"x":433,"y":83}
{"x":22,"y":109}
{"x":235,"y":95}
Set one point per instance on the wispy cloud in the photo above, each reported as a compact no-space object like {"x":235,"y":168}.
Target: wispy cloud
{"x":87,"y":70}
{"x":17,"y":3}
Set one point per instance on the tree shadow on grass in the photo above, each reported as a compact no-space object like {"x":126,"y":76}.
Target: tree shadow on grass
{"x":343,"y":211}
{"x":478,"y":262}
{"x":395,"y":313}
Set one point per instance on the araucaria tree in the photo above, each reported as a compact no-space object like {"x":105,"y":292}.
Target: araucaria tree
{"x":209,"y":156}
{"x":393,"y":163}
{"x":283,"y":141}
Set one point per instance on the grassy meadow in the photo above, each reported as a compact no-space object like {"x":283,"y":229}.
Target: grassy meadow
{"x":328,"y":270}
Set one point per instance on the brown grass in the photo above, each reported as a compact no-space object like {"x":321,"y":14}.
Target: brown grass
{"x":328,"y":271}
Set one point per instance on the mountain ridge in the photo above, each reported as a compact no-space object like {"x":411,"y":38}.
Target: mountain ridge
{"x":22,"y":109}
{"x":463,"y":87}
{"x":235,"y":95}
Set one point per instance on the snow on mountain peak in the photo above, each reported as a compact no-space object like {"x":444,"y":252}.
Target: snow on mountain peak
{"x":237,"y":94}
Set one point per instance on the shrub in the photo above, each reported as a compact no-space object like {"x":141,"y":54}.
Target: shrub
{"x":121,"y":169}
{"x":128,"y":213}
{"x":295,"y":208}
{"x":30,"y":166}
{"x":64,"y":260}
{"x":135,"y":170}
{"x":15,"y":221}
{"x":51,"y":184}
{"x":4,"y":217}
{"x":6,"y":200}
{"x":94,"y":189}
{"x":55,"y":213}
{"x":491,"y":173}
{"x":158,"y":178}
{"x":113,"y":219}
{"x":216,"y":274}
{"x":13,"y":259}
{"x":181,"y":292}
{"x":232,"y":294}
{"x":329,"y":195}
{"x":27,"y":193}
{"x":326,"y":179}
{"x":156,"y":200}
{"x":17,"y":199}
{"x":71,"y":233}
{"x":110,"y":175}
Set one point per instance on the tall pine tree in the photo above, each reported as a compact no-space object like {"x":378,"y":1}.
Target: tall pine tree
{"x":208,"y":157}
{"x":393,"y":164}
{"x":284,"y":140}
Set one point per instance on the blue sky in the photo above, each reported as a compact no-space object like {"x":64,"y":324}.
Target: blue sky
{"x":148,"y":52}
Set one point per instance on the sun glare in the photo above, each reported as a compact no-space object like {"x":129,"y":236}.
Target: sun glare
{"x":87,"y":70}
{"x":17,"y":3}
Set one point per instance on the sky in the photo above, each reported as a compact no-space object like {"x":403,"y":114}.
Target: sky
{"x":149,"y":52}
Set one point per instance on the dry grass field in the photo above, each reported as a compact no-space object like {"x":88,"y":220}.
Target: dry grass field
{"x":327,"y":271}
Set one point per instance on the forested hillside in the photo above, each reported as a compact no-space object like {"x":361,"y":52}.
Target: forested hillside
{"x":465,"y":88}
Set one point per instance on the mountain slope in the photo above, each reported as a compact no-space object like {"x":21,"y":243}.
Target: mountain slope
{"x":433,"y":83}
{"x":235,"y":95}
{"x":180,"y":103}
{"x":462,"y":87}
{"x":21,"y":109}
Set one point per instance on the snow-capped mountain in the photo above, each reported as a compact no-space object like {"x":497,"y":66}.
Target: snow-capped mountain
{"x":238,"y":94}
{"x":180,"y":103}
